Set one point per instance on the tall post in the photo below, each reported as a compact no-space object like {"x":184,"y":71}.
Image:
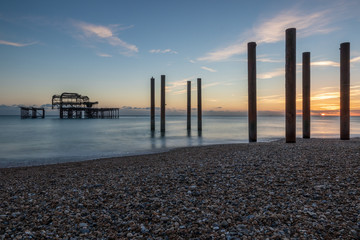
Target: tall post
{"x":290,"y":85}
{"x":345,"y":91}
{"x":306,"y":94}
{"x":188,"y":105}
{"x":199,"y":104}
{"x":162,"y":121}
{"x":252,"y":116}
{"x":152,"y":103}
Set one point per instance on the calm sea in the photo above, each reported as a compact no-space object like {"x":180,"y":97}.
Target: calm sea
{"x":52,"y":140}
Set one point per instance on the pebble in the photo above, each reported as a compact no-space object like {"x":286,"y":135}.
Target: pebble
{"x":84,"y":230}
{"x":224,"y":223}
{"x":143,"y":229}
{"x":83,"y":225}
{"x":306,"y":190}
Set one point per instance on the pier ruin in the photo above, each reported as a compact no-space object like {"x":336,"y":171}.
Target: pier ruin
{"x":32,"y":112}
{"x":74,"y":105}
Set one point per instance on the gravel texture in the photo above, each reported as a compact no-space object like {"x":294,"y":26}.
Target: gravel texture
{"x":304,"y":190}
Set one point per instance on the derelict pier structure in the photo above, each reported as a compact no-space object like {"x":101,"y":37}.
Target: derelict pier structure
{"x":32,"y":112}
{"x":74,"y":105}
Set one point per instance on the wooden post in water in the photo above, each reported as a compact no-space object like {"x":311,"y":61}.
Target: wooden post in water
{"x":306,"y":94}
{"x":345,"y":91}
{"x":199,"y":104}
{"x":152,"y":103}
{"x":188,"y":105}
{"x":252,"y":116}
{"x":290,"y":85}
{"x":162,"y":114}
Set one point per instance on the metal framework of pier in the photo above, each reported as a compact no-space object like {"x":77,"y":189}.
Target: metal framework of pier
{"x":74,"y":105}
{"x":32,"y":112}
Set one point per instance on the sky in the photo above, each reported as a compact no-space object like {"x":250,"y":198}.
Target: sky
{"x":109,"y":50}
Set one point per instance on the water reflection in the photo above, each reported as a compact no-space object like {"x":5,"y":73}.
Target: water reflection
{"x":52,"y":140}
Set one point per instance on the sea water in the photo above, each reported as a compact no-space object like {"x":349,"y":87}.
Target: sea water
{"x":27,"y":142}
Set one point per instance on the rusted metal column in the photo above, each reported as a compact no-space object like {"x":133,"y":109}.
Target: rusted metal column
{"x":290,"y":85}
{"x":199,"y":104}
{"x":188,"y":105}
{"x":306,"y":94}
{"x":252,"y":116}
{"x":152,"y":103}
{"x":162,"y":120}
{"x":34,"y":113}
{"x":345,"y":91}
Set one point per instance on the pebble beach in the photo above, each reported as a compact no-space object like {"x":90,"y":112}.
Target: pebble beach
{"x":304,"y":190}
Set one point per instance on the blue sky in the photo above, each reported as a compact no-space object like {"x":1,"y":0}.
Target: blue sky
{"x":109,"y":50}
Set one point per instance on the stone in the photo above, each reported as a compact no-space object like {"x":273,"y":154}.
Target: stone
{"x":224,"y":223}
{"x":83,"y":225}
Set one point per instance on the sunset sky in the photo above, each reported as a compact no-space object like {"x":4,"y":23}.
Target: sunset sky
{"x":109,"y":50}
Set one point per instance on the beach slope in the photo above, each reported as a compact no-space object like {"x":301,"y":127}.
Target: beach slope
{"x":305,"y":190}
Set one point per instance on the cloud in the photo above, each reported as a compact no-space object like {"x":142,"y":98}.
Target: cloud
{"x":115,"y":41}
{"x":328,"y":106}
{"x":178,"y":87}
{"x":325,"y":63}
{"x":179,"y":92}
{"x":134,"y":108}
{"x":163,"y":51}
{"x":307,"y":24}
{"x":100,"y":31}
{"x":48,"y":105}
{"x":221,"y":112}
{"x":268,"y":60}
{"x":9,"y":109}
{"x":106,"y":34}
{"x":129,"y":110}
{"x":14,"y":44}
{"x":272,"y":98}
{"x":224,"y":53}
{"x":268,"y":75}
{"x":208,"y":69}
{"x":104,"y":55}
{"x":272,"y":30}
{"x":211,"y":84}
{"x":326,"y":95}
{"x":15,"y":109}
{"x":331,"y":63}
{"x":356,"y":59}
{"x":265,"y":58}
{"x":355,"y":90}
